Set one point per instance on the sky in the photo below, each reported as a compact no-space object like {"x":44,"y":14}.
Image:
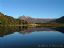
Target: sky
{"x":33,"y":8}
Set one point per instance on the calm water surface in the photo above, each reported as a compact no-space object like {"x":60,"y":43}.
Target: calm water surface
{"x":30,"y":37}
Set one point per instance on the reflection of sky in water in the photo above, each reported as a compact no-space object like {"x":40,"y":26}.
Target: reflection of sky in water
{"x":34,"y":38}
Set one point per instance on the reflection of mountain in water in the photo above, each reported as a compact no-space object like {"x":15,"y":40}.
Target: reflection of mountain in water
{"x":60,"y":29}
{"x":9,"y":30}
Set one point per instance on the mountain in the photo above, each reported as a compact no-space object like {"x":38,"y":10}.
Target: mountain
{"x":60,"y":20}
{"x":26,"y":18}
{"x":34,"y":20}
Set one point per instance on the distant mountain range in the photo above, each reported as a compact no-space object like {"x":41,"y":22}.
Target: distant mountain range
{"x":42,"y":20}
{"x":9,"y":20}
{"x":35,"y":20}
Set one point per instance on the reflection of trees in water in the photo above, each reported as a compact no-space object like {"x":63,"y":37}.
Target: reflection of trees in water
{"x":25,"y":30}
{"x":11,"y":29}
{"x":6,"y":30}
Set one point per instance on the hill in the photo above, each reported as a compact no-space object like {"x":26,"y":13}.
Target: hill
{"x":8,"y":20}
{"x":60,"y":20}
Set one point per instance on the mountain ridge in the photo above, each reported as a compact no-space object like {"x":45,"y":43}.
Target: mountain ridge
{"x":35,"y":20}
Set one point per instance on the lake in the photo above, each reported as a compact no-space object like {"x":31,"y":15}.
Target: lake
{"x":36,"y":37}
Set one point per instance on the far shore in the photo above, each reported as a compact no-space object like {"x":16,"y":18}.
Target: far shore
{"x":38,"y":25}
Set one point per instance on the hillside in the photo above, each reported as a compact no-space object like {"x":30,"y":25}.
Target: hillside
{"x":60,"y":20}
{"x":8,"y":20}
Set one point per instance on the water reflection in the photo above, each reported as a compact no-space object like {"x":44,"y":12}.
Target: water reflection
{"x":26,"y":30}
{"x":25,"y":37}
{"x":60,"y":29}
